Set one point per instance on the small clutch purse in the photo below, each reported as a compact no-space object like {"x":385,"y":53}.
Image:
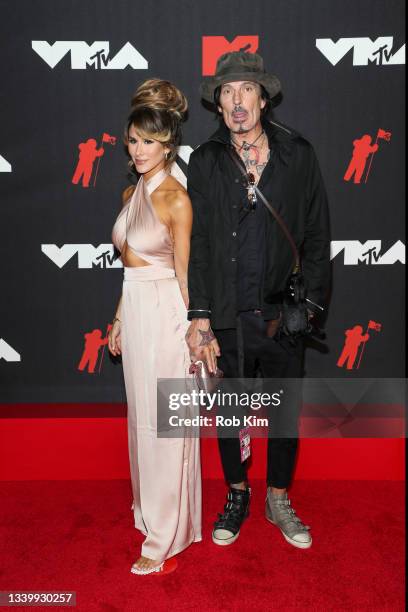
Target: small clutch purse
{"x":206,"y":380}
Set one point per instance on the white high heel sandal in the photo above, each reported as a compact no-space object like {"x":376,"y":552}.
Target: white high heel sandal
{"x":150,"y":570}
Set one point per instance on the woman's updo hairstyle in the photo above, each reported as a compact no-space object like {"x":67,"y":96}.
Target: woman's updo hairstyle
{"x":158,"y":109}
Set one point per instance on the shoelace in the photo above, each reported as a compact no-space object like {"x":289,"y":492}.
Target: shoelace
{"x":231,"y":511}
{"x":292,"y":514}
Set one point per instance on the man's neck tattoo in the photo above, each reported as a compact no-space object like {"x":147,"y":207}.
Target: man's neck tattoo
{"x":246,"y":146}
{"x":251,"y":154}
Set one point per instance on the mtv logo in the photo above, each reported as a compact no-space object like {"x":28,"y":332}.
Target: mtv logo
{"x":215,"y":46}
{"x":7,"y":352}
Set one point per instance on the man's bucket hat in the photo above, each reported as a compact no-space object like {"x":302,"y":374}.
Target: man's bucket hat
{"x":239,"y":66}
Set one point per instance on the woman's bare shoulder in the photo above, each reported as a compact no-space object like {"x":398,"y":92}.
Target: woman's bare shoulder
{"x":172,"y":184}
{"x":178,"y":200}
{"x":173,"y":193}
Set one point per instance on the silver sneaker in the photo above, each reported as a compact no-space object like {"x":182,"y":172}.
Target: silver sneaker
{"x":279,"y":512}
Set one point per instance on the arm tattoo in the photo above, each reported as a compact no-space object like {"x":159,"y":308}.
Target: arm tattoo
{"x":206,"y":337}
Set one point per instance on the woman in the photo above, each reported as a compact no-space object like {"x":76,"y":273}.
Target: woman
{"x":152,"y":232}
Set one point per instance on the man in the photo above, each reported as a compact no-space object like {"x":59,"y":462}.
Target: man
{"x":241,"y":260}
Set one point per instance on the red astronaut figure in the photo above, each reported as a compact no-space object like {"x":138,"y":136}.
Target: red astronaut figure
{"x":88,"y":152}
{"x":362,"y":149}
{"x":93,"y":342}
{"x":354,"y":337}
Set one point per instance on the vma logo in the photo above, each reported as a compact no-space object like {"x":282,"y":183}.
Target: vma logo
{"x":365,"y":51}
{"x":88,"y":256}
{"x":369,"y":252}
{"x":215,"y":46}
{"x":84,"y":56}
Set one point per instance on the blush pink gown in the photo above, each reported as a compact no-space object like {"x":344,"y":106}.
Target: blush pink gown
{"x":165,"y":472}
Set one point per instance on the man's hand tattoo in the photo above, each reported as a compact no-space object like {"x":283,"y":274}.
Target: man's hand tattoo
{"x":206,"y":337}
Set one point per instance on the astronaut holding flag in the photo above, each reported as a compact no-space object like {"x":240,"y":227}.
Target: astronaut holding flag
{"x":363,"y":150}
{"x":88,"y":153}
{"x":356,"y":338}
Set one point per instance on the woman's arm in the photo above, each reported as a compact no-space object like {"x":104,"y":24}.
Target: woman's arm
{"x":114,"y":342}
{"x":118,"y":310}
{"x":181,"y":219}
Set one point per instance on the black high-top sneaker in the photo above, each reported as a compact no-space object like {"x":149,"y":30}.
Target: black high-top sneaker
{"x":227,"y":527}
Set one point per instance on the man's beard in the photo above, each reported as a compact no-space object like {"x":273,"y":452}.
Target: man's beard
{"x":241,"y":130}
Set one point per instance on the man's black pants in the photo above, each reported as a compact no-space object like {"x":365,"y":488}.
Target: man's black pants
{"x":276,"y":359}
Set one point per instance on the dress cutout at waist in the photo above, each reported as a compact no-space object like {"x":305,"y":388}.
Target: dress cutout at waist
{"x":139,"y":225}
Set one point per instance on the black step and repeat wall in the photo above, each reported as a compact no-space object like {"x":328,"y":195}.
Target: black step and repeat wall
{"x":68,"y":70}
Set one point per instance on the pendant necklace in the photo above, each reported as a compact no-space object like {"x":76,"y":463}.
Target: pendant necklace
{"x":246,"y":146}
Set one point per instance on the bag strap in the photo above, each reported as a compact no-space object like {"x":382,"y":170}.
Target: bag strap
{"x":237,"y":161}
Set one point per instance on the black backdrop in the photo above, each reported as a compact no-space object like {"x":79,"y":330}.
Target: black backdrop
{"x":48,"y":111}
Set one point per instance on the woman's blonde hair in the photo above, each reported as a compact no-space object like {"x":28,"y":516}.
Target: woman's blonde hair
{"x":158,"y":109}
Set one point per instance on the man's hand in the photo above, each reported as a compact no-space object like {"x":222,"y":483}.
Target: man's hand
{"x":202,"y":343}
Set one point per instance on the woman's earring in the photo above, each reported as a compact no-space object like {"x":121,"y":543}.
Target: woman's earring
{"x":130,"y":163}
{"x":167,"y":155}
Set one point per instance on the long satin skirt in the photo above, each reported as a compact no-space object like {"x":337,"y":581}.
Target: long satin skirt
{"x":165,"y":472}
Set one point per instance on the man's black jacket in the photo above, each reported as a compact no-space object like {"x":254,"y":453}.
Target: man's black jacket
{"x":292,"y":183}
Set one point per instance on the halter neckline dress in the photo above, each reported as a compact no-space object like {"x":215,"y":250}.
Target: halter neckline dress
{"x":165,"y":472}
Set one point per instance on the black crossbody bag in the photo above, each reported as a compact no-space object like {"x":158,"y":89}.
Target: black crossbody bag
{"x":294,"y":321}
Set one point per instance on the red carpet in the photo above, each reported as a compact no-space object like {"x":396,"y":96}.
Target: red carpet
{"x":78,"y":536}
